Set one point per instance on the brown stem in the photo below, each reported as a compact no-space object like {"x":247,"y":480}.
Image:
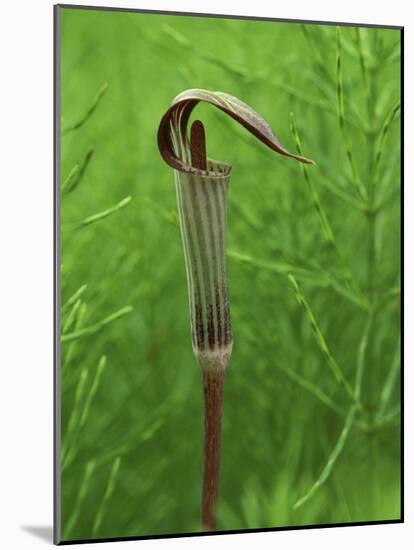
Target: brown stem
{"x":213,"y":385}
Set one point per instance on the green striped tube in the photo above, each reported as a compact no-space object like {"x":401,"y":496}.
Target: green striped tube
{"x":202,"y":208}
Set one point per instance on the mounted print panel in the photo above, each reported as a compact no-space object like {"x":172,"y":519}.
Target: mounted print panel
{"x":228,"y":251}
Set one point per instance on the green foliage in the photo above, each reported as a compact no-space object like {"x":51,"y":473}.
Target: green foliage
{"x":299,"y":448}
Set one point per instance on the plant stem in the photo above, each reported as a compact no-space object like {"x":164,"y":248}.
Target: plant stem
{"x":213,"y":386}
{"x":371,"y":252}
{"x":372,"y":227}
{"x":371,"y":197}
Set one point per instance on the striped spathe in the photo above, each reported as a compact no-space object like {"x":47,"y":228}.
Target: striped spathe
{"x":202,"y":207}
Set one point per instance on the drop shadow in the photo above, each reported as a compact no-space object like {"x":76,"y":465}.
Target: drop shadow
{"x":44,"y":532}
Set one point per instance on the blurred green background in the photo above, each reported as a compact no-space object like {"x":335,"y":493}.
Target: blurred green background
{"x":131,"y":392}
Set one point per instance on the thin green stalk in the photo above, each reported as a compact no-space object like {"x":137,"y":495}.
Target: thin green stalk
{"x":321,"y":342}
{"x":133,"y":439}
{"x":93,"y":329}
{"x":372,"y":260}
{"x":77,"y":418}
{"x":306,"y":98}
{"x":390,"y":294}
{"x":182,"y":41}
{"x":80,"y":319}
{"x":388,"y":417}
{"x":71,"y":301}
{"x":374,"y":158}
{"x":340,"y":444}
{"x":340,"y":194}
{"x":388,"y":199}
{"x":319,"y":62}
{"x":72,"y":315}
{"x":71,"y":177}
{"x":108,"y":493}
{"x":383,"y":136}
{"x":362,"y":59}
{"x":326,"y":226}
{"x":76,"y":174}
{"x":97,"y":217}
{"x":320,"y":395}
{"x":341,"y":116}
{"x":74,"y":417}
{"x":92,"y":392}
{"x":89,"y":111}
{"x":333,"y":457}
{"x":83,"y":489}
{"x":389,"y":382}
{"x":312,"y":389}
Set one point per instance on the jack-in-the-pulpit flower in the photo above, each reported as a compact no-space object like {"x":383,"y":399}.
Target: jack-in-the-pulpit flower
{"x":201,"y":188}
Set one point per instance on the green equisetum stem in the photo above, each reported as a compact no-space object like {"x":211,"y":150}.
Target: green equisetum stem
{"x":326,"y":226}
{"x":341,"y":115}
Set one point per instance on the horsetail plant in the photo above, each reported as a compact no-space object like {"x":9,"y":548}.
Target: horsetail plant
{"x":201,"y":190}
